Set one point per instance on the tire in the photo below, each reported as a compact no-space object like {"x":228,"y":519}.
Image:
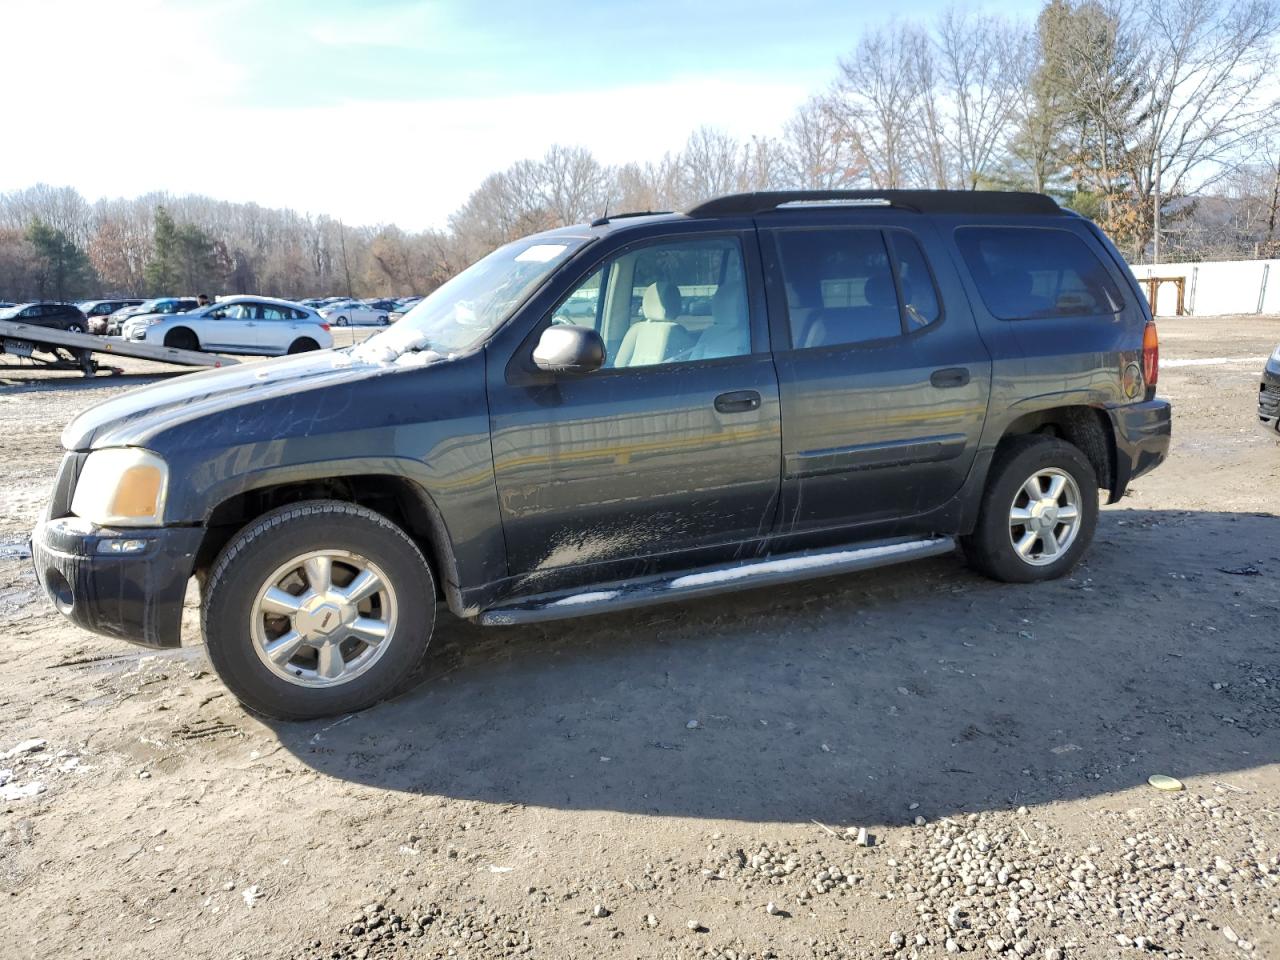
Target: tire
{"x":382,"y":321}
{"x":181,"y":339}
{"x":1018,"y":463}
{"x":296,"y":688}
{"x":75,"y":327}
{"x":340,"y":322}
{"x":303,"y":345}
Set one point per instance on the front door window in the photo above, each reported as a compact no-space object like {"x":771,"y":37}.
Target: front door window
{"x":666,"y":303}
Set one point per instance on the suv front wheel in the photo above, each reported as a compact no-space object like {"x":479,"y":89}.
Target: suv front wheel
{"x":1038,"y":513}
{"x":317,"y":608}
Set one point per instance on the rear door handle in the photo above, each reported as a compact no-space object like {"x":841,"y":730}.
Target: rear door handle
{"x":739,"y":401}
{"x":949,"y":377}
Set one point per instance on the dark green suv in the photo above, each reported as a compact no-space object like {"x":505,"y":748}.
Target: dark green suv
{"x":644,"y":409}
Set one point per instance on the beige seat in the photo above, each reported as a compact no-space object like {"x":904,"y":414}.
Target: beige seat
{"x":730,"y":332}
{"x":657,"y":338}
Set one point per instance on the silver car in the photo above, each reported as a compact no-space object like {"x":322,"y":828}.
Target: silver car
{"x":261,"y":326}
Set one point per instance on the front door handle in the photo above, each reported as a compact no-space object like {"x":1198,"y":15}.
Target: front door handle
{"x":950,"y":377}
{"x":739,"y":401}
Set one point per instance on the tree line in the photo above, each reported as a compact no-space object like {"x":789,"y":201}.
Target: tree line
{"x":1157,"y":118}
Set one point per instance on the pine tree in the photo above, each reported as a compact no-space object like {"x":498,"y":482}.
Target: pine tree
{"x":161,"y":273}
{"x":62,"y":269}
{"x":184,"y":258}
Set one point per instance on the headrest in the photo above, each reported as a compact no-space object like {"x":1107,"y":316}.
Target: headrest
{"x":879,"y":291}
{"x":727,"y":305}
{"x":661,"y":301}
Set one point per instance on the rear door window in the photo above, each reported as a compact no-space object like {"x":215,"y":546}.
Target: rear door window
{"x":841,"y":286}
{"x":919,"y":294}
{"x":1029,"y":273}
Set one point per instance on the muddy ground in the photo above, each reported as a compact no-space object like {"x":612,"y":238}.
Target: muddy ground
{"x":647,"y":784}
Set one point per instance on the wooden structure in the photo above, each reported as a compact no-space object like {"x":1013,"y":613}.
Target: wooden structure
{"x":1153,"y":286}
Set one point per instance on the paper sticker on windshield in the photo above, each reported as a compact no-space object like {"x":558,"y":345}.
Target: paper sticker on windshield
{"x":542,"y":252}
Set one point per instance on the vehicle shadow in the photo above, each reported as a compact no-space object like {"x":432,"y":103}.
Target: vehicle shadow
{"x":845,"y":700}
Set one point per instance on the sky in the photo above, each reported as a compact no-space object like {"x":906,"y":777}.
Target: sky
{"x":392,"y":111}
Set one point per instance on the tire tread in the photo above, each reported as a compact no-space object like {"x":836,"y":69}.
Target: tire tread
{"x":268,"y":524}
{"x":984,"y":548}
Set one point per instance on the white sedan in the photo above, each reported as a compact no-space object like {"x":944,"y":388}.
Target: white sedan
{"x":353,"y":313}
{"x":261,"y":326}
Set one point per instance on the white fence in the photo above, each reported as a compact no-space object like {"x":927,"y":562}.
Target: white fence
{"x":1215,"y":288}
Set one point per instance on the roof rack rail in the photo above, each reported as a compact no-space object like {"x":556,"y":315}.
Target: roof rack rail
{"x":917,"y":201}
{"x":601,"y":221}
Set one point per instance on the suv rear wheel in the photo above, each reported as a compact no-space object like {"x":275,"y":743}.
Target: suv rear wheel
{"x":317,"y":608}
{"x":1038,"y":513}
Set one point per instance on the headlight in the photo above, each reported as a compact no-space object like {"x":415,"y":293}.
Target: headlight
{"x":1273,"y":364}
{"x":122,"y":486}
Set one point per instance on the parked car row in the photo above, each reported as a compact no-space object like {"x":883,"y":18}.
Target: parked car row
{"x":350,"y":312}
{"x":112,"y":325}
{"x":260,"y":326}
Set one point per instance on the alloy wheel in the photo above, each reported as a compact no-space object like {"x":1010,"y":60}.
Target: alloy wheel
{"x":1044,"y":517}
{"x":323,"y":618}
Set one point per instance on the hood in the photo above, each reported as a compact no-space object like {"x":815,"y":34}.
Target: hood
{"x":133,"y":418}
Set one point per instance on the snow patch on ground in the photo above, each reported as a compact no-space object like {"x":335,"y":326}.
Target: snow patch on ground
{"x":793,"y":564}
{"x":1210,"y":361}
{"x":598,"y":597}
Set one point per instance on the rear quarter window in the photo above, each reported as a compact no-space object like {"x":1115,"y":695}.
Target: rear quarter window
{"x":1029,"y":273}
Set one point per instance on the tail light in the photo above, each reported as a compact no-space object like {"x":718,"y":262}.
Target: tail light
{"x":1150,"y":354}
{"x":324,"y":327}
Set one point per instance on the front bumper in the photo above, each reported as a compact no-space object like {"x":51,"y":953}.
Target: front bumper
{"x":135,"y":597}
{"x":1142,"y":432}
{"x":1269,"y":404}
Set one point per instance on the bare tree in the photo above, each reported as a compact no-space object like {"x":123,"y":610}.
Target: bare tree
{"x":877,"y":98}
{"x":1207,"y":70}
{"x":573,"y":184}
{"x":710,"y":165}
{"x":646,"y":186}
{"x":815,"y":153}
{"x":982,"y":66}
{"x":62,"y":208}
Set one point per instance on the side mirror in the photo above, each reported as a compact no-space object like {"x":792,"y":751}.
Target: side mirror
{"x":565,"y":348}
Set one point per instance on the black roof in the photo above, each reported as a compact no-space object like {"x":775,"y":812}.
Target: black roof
{"x":919,"y":201}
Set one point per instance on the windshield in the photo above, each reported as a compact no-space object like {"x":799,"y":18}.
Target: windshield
{"x":10,"y":312}
{"x":473,"y":304}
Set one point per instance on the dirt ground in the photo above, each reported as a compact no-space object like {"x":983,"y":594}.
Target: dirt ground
{"x":646,"y":784}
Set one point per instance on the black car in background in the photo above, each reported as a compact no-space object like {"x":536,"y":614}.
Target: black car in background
{"x":97,"y":311}
{"x":61,"y":316}
{"x":1269,"y":397}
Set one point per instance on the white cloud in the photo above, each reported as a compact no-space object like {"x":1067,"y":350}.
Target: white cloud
{"x":409,"y":27}
{"x":410,"y":162}
{"x":146,"y":95}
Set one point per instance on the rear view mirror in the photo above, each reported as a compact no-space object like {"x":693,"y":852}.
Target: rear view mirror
{"x":566,"y":348}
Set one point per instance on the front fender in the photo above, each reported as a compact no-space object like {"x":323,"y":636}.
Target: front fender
{"x":428,"y":428}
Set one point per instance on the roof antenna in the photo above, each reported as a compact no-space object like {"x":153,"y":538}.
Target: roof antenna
{"x":603,"y":218}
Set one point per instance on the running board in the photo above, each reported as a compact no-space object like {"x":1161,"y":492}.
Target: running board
{"x":687,"y":585}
